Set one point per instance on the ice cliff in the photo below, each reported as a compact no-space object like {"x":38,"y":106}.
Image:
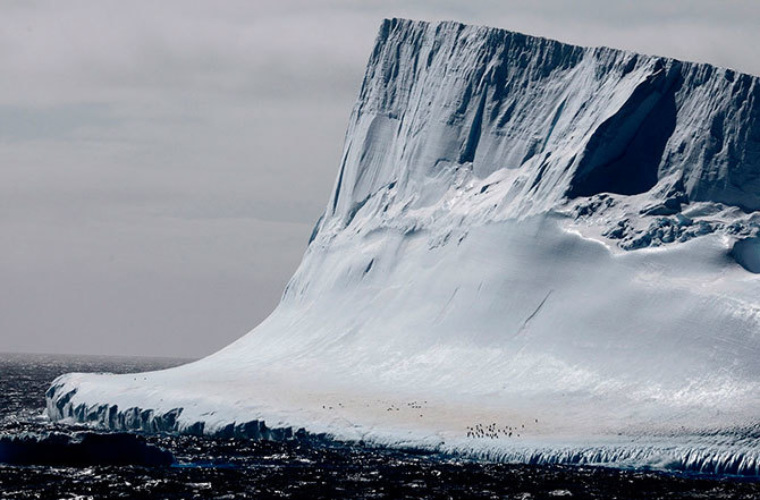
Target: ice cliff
{"x":533,"y":252}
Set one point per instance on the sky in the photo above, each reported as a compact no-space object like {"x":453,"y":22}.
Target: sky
{"x":162,"y":164}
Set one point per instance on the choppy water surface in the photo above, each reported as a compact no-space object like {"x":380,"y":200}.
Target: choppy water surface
{"x":61,"y":464}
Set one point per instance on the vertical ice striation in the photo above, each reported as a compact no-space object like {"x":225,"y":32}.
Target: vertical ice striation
{"x":523,"y":234}
{"x":572,"y":121}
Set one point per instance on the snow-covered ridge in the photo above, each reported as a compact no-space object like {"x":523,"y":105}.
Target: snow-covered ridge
{"x":533,"y":252}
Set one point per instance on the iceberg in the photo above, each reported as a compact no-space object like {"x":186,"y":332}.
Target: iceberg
{"x":534,"y":252}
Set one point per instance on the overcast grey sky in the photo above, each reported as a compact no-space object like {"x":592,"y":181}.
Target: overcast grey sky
{"x":162,"y":163}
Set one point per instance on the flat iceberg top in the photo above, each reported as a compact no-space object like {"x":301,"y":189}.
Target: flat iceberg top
{"x":533,"y":252}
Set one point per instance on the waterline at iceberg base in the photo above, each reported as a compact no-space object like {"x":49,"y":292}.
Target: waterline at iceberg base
{"x":534,"y":252}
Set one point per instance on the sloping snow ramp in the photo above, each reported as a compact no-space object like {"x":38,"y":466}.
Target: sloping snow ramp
{"x":534,"y":252}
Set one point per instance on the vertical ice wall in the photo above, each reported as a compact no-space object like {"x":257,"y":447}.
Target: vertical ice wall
{"x":572,"y":121}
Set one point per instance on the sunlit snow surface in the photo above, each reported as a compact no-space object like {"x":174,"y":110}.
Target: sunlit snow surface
{"x":534,"y":252}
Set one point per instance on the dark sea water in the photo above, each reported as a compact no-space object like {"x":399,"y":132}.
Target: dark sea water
{"x":50,"y":461}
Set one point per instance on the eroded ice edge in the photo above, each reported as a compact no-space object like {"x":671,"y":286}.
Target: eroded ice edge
{"x":525,"y":237}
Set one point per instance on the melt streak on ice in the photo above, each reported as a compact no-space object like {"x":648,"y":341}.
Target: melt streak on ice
{"x":533,"y":252}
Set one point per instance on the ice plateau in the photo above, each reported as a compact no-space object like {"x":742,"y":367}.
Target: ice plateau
{"x":534,"y":252}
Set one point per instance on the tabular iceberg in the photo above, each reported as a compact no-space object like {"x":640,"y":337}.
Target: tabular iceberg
{"x":533,"y":252}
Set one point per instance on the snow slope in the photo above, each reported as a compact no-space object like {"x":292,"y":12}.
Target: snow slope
{"x":534,"y":252}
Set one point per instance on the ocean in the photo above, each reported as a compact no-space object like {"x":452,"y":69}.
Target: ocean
{"x":40,"y":460}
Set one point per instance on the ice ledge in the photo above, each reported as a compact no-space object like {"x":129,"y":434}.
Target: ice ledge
{"x":685,"y":453}
{"x":61,"y":406}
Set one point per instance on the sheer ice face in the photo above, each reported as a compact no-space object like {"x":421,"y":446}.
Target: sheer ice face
{"x":533,"y":252}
